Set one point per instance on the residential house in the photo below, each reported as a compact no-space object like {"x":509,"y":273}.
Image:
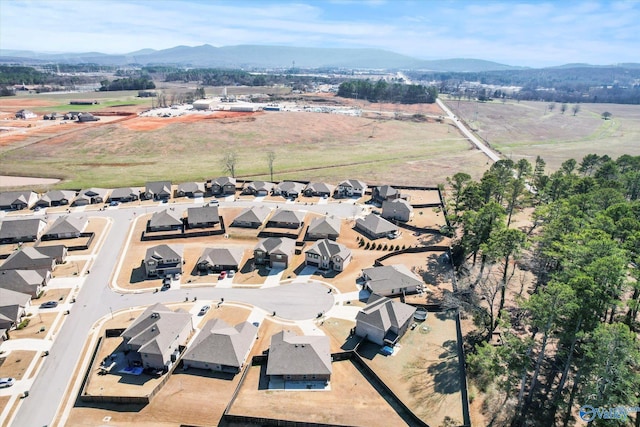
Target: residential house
{"x":384,"y":193}
{"x":91,"y":196}
{"x":252,"y":217}
{"x":12,"y":307}
{"x":25,"y":114}
{"x":288,"y":189}
{"x":165,"y":220}
{"x":351,"y":188}
{"x":56,"y":198}
{"x":328,"y":255}
{"x":156,"y":335}
{"x":57,"y":252}
{"x":17,"y":200}
{"x":221,"y":347}
{"x":21,"y":230}
{"x":293,"y":357}
{"x":258,"y":188}
{"x":324,"y":228}
{"x":319,"y":189}
{"x":390,"y":280}
{"x":220,"y":259}
{"x":398,"y":209}
{"x":283,"y":218}
{"x":157,"y":190}
{"x":203,"y":217}
{"x":66,"y":227}
{"x":124,"y":195}
{"x":274,"y":252}
{"x":163,"y":260}
{"x":28,"y":282}
{"x":191,"y":189}
{"x":222,"y":185}
{"x":28,"y":258}
{"x":383,"y":321}
{"x":375,"y":227}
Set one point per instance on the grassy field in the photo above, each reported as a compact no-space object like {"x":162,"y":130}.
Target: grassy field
{"x":528,"y":129}
{"x":307,"y":146}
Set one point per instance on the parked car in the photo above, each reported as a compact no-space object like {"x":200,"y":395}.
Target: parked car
{"x":204,"y":310}
{"x":222,"y":275}
{"x":49,"y":304}
{"x":231,"y":273}
{"x":6,"y":382}
{"x":214,"y":202}
{"x":114,"y":203}
{"x":165,"y":286}
{"x":176,"y":276}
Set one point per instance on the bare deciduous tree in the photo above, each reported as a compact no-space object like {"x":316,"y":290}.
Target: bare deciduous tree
{"x":271,"y":157}
{"x":230,"y":162}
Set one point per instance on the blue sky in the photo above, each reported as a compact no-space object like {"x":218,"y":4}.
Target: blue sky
{"x":529,"y":33}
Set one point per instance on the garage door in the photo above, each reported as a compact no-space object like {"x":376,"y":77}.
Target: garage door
{"x":278,"y":265}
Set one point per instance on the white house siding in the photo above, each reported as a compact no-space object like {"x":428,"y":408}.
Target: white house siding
{"x":373,"y":334}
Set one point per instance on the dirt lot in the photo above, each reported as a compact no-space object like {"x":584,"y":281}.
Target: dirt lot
{"x":424,"y":372}
{"x":335,"y":406}
{"x":36,"y":323}
{"x":15,"y":363}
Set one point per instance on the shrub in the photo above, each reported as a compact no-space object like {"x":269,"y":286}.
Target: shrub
{"x":366,"y":246}
{"x":23,"y":324}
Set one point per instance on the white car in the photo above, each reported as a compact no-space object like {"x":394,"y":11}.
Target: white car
{"x":6,"y":382}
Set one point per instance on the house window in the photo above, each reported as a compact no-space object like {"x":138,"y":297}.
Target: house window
{"x":287,"y":377}
{"x":278,"y":256}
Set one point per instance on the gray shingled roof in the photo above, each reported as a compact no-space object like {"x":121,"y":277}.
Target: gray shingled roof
{"x":58,"y":195}
{"x":353,"y":183}
{"x":277,"y":245}
{"x":25,"y":281}
{"x":255,"y":214}
{"x":384,"y":313}
{"x":161,"y":252}
{"x":165,"y":218}
{"x":399,"y":205}
{"x":224,"y":180}
{"x":386,"y":191}
{"x":325,"y":226}
{"x":159,"y":187}
{"x":289,"y":187}
{"x":19,"y":228}
{"x":203,"y":215}
{"x":376,"y":225}
{"x":191,"y":187}
{"x":287,"y":216}
{"x":156,"y":328}
{"x":124,"y":192}
{"x":221,"y":256}
{"x":291,"y":354}
{"x":68,"y":224}
{"x":26,"y":259}
{"x":219,"y":343}
{"x":93,"y":192}
{"x":320,"y":187}
{"x":389,"y":277}
{"x":8,"y":198}
{"x":328,"y":249}
{"x":260,"y":185}
{"x":9,"y":297}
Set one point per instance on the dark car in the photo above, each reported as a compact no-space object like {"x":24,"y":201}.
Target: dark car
{"x":49,"y":304}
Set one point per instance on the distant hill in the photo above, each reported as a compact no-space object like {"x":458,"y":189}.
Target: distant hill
{"x":258,"y":57}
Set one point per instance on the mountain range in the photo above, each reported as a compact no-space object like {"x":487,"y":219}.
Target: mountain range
{"x":252,"y":57}
{"x":256,"y":57}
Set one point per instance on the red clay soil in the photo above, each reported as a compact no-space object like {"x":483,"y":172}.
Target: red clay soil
{"x":153,"y":123}
{"x":8,"y":102}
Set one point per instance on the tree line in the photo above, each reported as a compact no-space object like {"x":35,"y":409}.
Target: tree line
{"x":382,"y":91}
{"x":573,"y":341}
{"x":127,"y":83}
{"x":573,"y":84}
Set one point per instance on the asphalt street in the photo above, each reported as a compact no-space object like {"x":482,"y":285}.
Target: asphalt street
{"x":96,"y":299}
